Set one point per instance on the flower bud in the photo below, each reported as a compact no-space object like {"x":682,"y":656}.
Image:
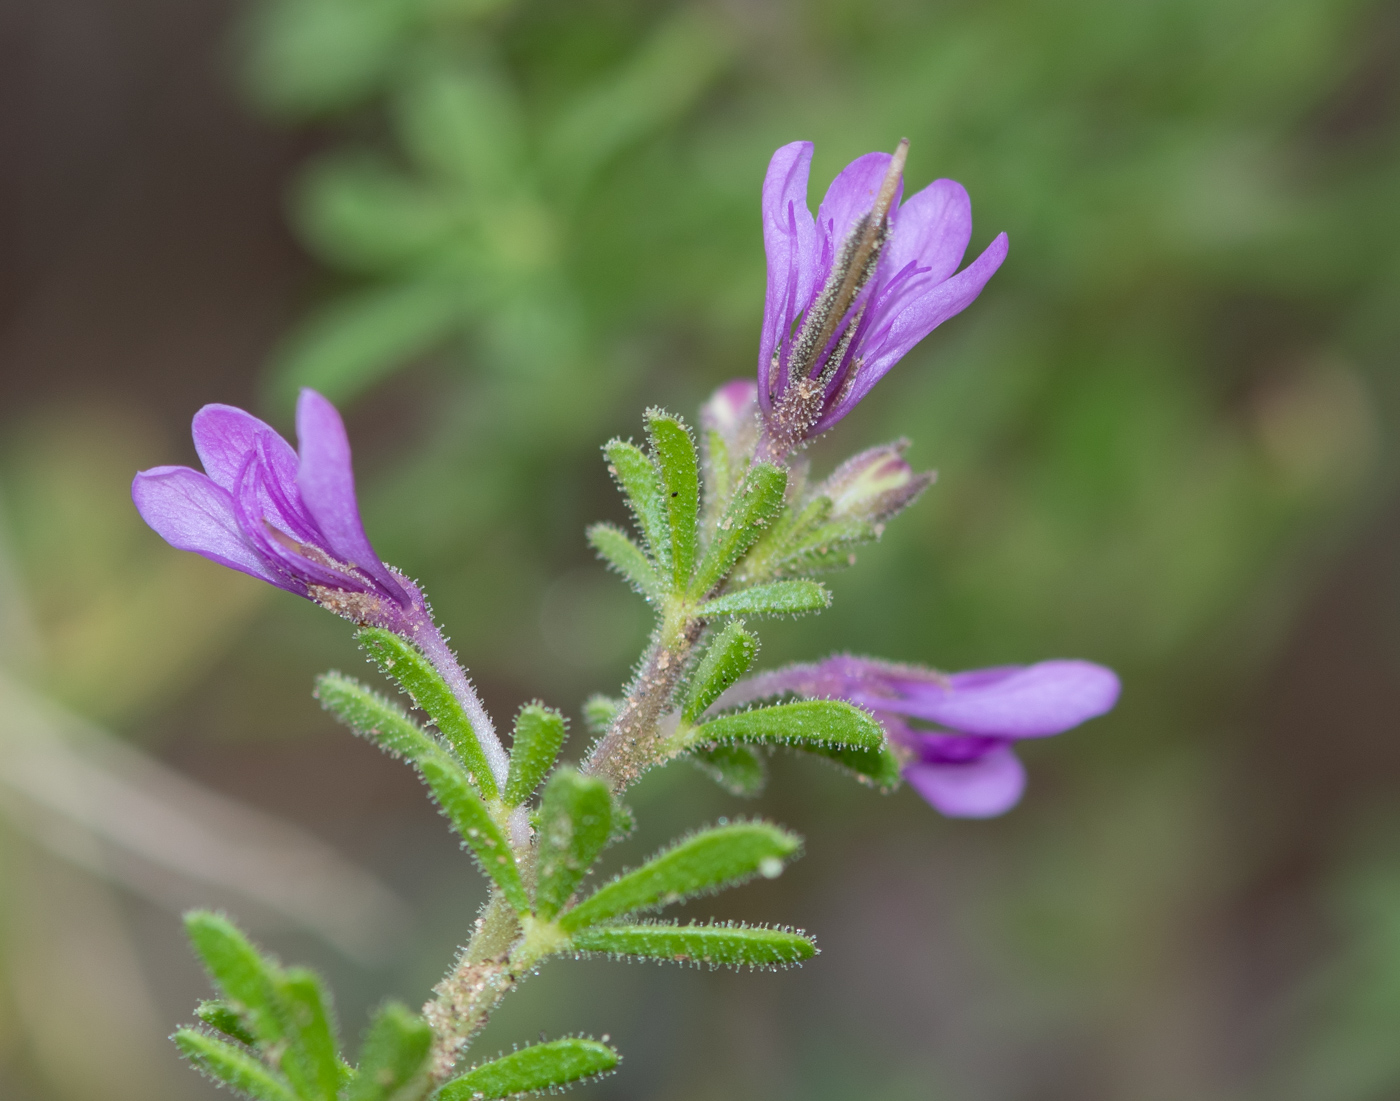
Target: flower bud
{"x":875,"y":485}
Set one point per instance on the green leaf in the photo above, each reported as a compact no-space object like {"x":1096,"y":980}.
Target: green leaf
{"x":626,"y":558}
{"x":777,"y":598}
{"x":312,"y":1035}
{"x":247,"y":981}
{"x":824,"y":548}
{"x":726,"y":659}
{"x":462,"y":124}
{"x":599,"y":712}
{"x":679,"y":464}
{"x":532,"y":1069}
{"x":805,"y":723}
{"x":372,"y":716}
{"x":716,"y":945}
{"x":736,"y":768}
{"x":575,"y":825}
{"x":238,"y":1069}
{"x":405,"y":663}
{"x":394,"y":1057}
{"x":539,"y":735}
{"x":877,"y":767}
{"x":715,"y":858}
{"x":221,"y":1017}
{"x":758,"y":502}
{"x":474,"y":824}
{"x":355,"y":341}
{"x":640,"y":482}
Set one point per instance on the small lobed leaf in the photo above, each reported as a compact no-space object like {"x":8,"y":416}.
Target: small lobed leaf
{"x":474,"y":824}
{"x":312,"y":1032}
{"x":676,"y":458}
{"x":715,"y":858}
{"x":736,"y":768}
{"x":804,"y":723}
{"x":877,"y":767}
{"x":403,"y":662}
{"x":223,"y":1018}
{"x":532,"y":1069}
{"x":235,"y":1067}
{"x":372,"y":716}
{"x":640,"y":482}
{"x":575,"y":825}
{"x":726,"y":659}
{"x":393,"y":1058}
{"x":755,"y":505}
{"x":246,"y":979}
{"x":775,"y":598}
{"x":824,"y":548}
{"x":599,"y":711}
{"x":626,"y":558}
{"x":716,"y":945}
{"x":539,"y":735}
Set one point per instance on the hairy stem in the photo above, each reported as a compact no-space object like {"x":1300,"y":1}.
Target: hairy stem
{"x":465,"y":998}
{"x":631,"y":744}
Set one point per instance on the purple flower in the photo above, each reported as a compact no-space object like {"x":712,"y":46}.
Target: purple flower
{"x":963,"y":764}
{"x":851,"y":292}
{"x":291,"y":519}
{"x":287,"y":517}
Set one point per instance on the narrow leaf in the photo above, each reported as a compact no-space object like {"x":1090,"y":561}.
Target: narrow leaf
{"x":394,"y":1058}
{"x":221,"y":1017}
{"x":640,"y":483}
{"x":539,"y":735}
{"x":247,"y":981}
{"x":312,"y":1035}
{"x":777,"y":598}
{"x":680,"y":483}
{"x":599,"y":712}
{"x":238,"y":1069}
{"x":715,"y":858}
{"x":727,"y":658}
{"x":877,"y":767}
{"x":575,"y":825}
{"x":532,"y":1069}
{"x":736,"y":768}
{"x":716,"y":945}
{"x":372,"y":716}
{"x":806,"y":722}
{"x":401,"y":660}
{"x":626,"y":558}
{"x":758,"y":501}
{"x":474,"y":824}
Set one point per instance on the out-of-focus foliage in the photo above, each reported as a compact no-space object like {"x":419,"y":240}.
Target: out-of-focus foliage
{"x":1156,"y":429}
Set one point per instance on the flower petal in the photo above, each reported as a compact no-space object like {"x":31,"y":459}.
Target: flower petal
{"x":892,"y":338}
{"x":790,"y":242}
{"x":327,"y":484}
{"x":851,"y":195}
{"x":983,"y":788}
{"x":224,"y":436}
{"x":1012,"y":702}
{"x":932,"y":230}
{"x":191,"y":512}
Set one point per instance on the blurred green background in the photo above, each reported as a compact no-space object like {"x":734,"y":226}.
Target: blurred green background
{"x":493,"y":230}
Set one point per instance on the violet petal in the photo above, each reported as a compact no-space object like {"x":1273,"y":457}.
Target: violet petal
{"x":851,"y":196}
{"x":327,"y":484}
{"x":983,"y":788}
{"x":191,"y":512}
{"x":932,"y":230}
{"x":790,"y":242}
{"x":894,"y":338}
{"x":1015,"y":702}
{"x":224,"y":436}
